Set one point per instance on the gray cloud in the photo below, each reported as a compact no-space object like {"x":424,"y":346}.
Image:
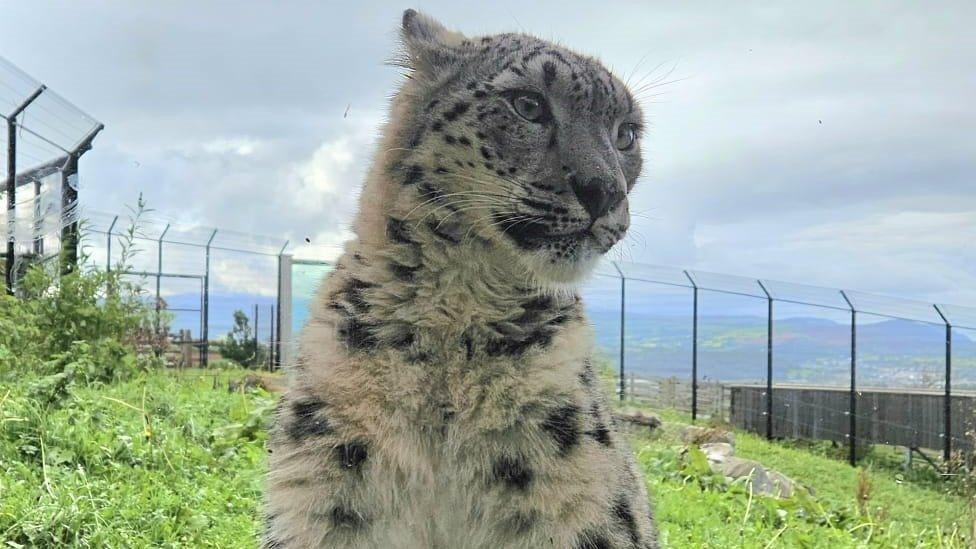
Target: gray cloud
{"x":829,"y":143}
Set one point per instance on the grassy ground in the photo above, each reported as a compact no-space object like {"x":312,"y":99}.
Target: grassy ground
{"x":176,"y":461}
{"x":698,"y":509}
{"x":157,"y":461}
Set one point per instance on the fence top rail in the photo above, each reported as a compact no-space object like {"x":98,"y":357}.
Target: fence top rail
{"x":794,"y":293}
{"x":860,"y":390}
{"x":163,"y":274}
{"x":168,"y":231}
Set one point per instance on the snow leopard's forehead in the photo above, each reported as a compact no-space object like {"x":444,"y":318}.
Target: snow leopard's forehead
{"x":523,"y":61}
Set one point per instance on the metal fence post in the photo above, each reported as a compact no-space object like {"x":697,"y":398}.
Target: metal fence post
{"x":12,"y":185}
{"x":108,"y":245}
{"x":623,"y":330}
{"x":276,"y":350}
{"x":69,"y":205}
{"x":38,"y":221}
{"x":271,"y":342}
{"x":255,"y":333}
{"x":694,"y":348}
{"x":947,"y":442}
{"x":852,"y":406}
{"x":159,"y":274}
{"x":205,"y":331}
{"x":69,"y":201}
{"x":8,"y":273}
{"x":769,"y":361}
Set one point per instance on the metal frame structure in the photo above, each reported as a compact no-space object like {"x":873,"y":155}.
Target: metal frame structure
{"x":64,"y":142}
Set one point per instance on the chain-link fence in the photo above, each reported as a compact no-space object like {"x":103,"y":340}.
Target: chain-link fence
{"x":203,"y":282}
{"x":782,"y":359}
{"x":790,"y":360}
{"x":44,"y":138}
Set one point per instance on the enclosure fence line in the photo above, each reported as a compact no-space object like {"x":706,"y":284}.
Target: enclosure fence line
{"x":166,"y":235}
{"x":161,"y":234}
{"x":848,"y":301}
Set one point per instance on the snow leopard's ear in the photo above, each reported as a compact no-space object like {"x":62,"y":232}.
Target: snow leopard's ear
{"x":429,"y":47}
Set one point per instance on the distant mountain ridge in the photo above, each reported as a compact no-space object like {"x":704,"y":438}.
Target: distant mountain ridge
{"x":731,"y":346}
{"x":804,"y":348}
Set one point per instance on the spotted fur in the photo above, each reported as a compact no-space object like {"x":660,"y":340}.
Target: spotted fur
{"x":443,"y":395}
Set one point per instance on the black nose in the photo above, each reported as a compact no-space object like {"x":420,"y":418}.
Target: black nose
{"x":598,"y":196}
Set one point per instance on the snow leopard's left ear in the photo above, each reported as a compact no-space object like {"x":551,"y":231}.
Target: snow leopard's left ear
{"x":430,"y":48}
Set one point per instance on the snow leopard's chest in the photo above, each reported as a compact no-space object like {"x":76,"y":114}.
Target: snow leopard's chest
{"x":479,"y":455}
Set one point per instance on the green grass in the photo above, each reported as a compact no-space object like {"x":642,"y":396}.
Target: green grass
{"x":698,"y":509}
{"x":174,"y":460}
{"x":151,"y":462}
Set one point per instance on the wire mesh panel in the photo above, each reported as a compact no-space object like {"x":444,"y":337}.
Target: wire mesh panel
{"x":733,"y":339}
{"x":659,"y":344}
{"x":602,"y":302}
{"x":201,"y":275}
{"x":900,"y":381}
{"x":811,"y":372}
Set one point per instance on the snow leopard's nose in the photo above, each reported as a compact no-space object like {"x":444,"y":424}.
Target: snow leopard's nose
{"x":597,"y":195}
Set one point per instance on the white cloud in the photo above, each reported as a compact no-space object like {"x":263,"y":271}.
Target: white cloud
{"x":326,"y":177}
{"x":240,"y":146}
{"x":245,"y":275}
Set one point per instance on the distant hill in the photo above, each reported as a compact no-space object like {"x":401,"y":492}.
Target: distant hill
{"x":806,"y":349}
{"x":732,"y":345}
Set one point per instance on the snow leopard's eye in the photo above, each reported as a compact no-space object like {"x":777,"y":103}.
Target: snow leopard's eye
{"x":626,"y":136}
{"x":529,"y":105}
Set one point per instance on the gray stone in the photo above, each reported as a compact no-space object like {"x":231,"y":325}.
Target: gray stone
{"x":717,"y":451}
{"x":702,"y":435}
{"x":765,"y":482}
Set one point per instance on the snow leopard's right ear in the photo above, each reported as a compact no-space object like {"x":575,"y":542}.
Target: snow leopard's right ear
{"x":430,"y":48}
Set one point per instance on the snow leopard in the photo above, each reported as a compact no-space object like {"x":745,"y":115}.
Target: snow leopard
{"x":443,"y":392}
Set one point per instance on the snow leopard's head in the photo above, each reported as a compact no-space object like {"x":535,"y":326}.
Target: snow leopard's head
{"x":529,"y":145}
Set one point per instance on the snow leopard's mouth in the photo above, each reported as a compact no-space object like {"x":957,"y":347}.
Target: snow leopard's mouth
{"x":532,"y":235}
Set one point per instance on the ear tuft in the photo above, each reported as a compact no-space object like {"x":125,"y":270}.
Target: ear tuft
{"x":429,"y":47}
{"x":421,"y":28}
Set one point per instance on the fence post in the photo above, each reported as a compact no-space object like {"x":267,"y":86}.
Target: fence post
{"x":12,"y":186}
{"x":255,"y":332}
{"x":769,"y":361}
{"x":694,"y":348}
{"x":276,"y":351}
{"x":623,"y":294}
{"x":852,"y":406}
{"x":159,"y":275}
{"x":69,"y":200}
{"x":205,"y":331}
{"x":108,"y":245}
{"x":8,"y":274}
{"x":38,"y":221}
{"x":69,"y":206}
{"x":947,"y":442}
{"x":271,"y":342}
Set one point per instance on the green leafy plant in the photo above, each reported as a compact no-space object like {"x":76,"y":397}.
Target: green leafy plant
{"x":241,"y":345}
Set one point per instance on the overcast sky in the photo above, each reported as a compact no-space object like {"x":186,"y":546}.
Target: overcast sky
{"x":826,"y":143}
